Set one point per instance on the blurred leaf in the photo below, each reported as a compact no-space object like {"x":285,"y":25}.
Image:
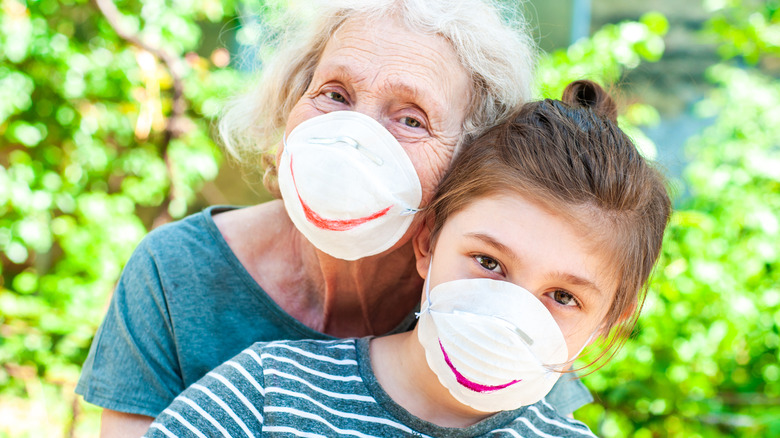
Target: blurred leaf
{"x":704,"y":362}
{"x":75,"y":173}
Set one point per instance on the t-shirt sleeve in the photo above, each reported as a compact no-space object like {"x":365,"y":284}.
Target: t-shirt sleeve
{"x":228,"y":401}
{"x":132,"y":364}
{"x":568,"y":395}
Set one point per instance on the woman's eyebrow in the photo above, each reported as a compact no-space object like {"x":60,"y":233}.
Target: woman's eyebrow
{"x":339,"y":71}
{"x":419,"y":95}
{"x":404,"y":88}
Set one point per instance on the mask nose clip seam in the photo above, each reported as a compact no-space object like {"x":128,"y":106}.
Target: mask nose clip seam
{"x":351,"y":142}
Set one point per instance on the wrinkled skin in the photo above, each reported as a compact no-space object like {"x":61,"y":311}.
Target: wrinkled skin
{"x":416,"y":88}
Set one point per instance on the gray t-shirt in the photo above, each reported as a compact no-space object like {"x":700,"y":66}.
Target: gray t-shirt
{"x":183,"y":305}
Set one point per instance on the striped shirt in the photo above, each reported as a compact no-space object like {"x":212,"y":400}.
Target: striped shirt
{"x":323,"y":389}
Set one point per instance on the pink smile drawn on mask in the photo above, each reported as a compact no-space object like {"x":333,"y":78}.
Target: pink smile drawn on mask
{"x":332,"y":224}
{"x":474,"y":386}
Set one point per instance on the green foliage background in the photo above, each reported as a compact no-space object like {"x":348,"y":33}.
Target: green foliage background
{"x":97,"y":146}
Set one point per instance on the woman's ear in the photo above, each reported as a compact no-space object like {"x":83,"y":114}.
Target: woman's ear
{"x":422,"y":248}
{"x":278,"y":152}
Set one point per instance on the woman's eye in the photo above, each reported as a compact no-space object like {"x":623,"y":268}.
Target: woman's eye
{"x":488,"y":263}
{"x":564,"y":298}
{"x":336,"y":96}
{"x":410,"y":122}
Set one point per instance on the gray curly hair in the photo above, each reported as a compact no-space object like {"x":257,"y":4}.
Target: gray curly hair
{"x":498,"y":54}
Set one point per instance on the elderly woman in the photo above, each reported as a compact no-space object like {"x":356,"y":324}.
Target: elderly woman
{"x":327,"y":261}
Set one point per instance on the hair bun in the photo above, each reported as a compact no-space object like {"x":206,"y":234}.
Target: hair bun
{"x":588,"y":94}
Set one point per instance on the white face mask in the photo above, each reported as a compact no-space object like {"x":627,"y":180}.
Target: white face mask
{"x":348,"y":185}
{"x":491,"y":343}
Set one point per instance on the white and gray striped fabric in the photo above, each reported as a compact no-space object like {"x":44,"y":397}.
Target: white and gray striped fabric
{"x":323,"y":389}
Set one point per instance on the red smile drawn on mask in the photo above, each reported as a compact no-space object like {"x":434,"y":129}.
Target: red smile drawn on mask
{"x":474,"y":386}
{"x":332,"y":224}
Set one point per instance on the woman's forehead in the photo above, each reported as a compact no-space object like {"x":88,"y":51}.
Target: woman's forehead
{"x":389,"y":54}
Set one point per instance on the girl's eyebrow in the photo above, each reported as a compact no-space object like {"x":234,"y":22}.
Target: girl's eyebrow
{"x":566,"y":277}
{"x":575,"y":280}
{"x":491,"y":241}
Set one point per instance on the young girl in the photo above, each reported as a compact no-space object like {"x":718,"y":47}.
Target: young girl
{"x":540,"y":239}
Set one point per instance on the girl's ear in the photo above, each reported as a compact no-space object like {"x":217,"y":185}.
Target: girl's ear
{"x":422,"y":248}
{"x":625,"y":317}
{"x":628,"y":314}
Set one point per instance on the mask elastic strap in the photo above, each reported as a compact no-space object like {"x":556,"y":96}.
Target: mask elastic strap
{"x":590,"y":338}
{"x":559,"y":367}
{"x":427,"y":304}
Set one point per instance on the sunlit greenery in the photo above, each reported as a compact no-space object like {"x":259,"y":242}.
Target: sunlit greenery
{"x":96,"y":148}
{"x":91,"y":157}
{"x":705,"y":359}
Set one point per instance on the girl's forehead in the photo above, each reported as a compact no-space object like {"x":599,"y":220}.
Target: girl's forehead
{"x":563,"y":240}
{"x":536,"y":249}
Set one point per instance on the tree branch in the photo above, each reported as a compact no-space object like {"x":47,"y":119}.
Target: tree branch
{"x":178,"y":106}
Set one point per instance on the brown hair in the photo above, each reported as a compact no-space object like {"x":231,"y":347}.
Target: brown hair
{"x":570,"y":157}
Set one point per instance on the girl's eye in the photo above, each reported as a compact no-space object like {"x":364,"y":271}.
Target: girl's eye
{"x":410,"y":122}
{"x":564,"y":298}
{"x":336,"y":96}
{"x":488,"y":263}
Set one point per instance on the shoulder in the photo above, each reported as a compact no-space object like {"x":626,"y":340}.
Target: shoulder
{"x":309,"y":351}
{"x":183,"y":251}
{"x":312,"y":352}
{"x":568,"y":394}
{"x":324,"y":363}
{"x":292,"y":365}
{"x":541,"y":419}
{"x":193,"y":230}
